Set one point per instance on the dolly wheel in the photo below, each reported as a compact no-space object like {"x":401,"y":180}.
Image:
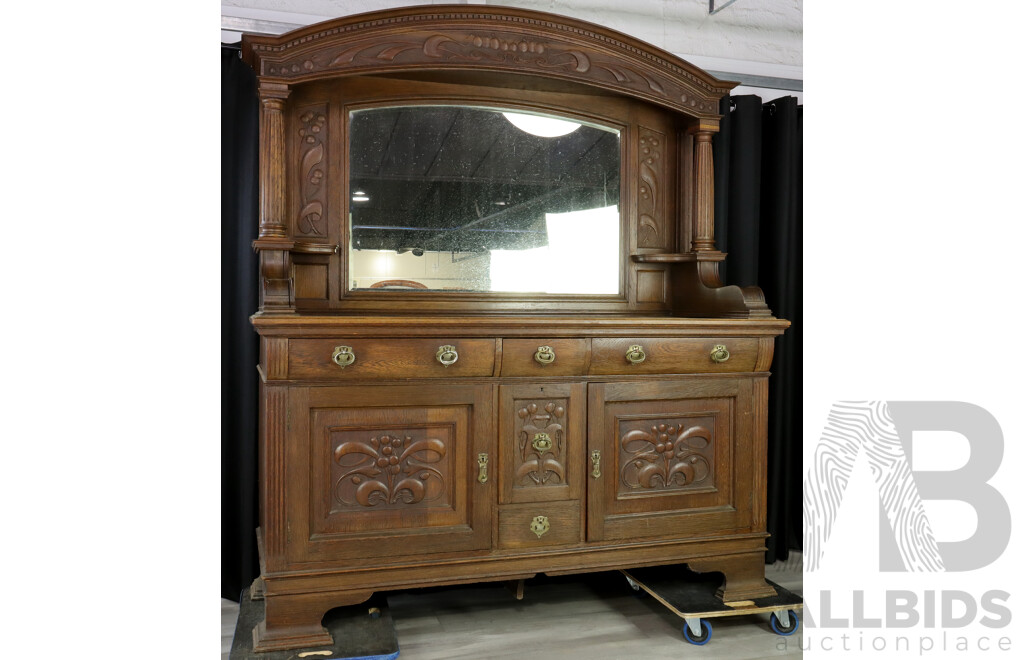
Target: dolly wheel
{"x":777,"y":626}
{"x":705,"y":636}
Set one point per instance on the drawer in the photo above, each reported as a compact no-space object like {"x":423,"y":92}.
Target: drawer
{"x":518,"y":357}
{"x":388,"y":358}
{"x":673,"y":356}
{"x":516,"y":522}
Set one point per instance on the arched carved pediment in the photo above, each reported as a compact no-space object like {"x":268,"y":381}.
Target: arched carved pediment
{"x":456,"y":37}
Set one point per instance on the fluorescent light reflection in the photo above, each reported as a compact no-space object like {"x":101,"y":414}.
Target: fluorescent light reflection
{"x":582,"y":256}
{"x":541,"y":126}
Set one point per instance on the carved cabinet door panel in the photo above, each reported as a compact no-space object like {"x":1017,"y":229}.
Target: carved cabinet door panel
{"x":377,"y":472}
{"x":676,"y":458}
{"x":542,"y":436}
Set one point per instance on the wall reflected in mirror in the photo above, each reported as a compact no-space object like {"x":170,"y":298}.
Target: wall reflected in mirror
{"x":458,"y":198}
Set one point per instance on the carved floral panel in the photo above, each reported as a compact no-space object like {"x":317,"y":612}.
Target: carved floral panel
{"x":540,"y":434}
{"x":651,"y":203}
{"x":313,"y":142}
{"x":390,"y":469}
{"x":674,"y":454}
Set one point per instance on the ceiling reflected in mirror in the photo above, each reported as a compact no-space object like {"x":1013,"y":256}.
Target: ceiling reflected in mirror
{"x":461,"y":198}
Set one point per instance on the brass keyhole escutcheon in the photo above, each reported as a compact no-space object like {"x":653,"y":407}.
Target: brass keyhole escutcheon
{"x":635,"y":354}
{"x":540,"y":525}
{"x":595,"y":461}
{"x":481,"y":463}
{"x":343,"y":356}
{"x":544,"y":355}
{"x":447,"y":355}
{"x":542,"y":442}
{"x":719,"y":353}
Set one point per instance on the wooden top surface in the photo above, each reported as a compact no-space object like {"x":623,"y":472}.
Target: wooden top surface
{"x":511,"y":326}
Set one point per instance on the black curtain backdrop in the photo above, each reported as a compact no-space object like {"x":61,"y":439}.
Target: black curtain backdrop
{"x":758,"y":216}
{"x":758,"y":219}
{"x":239,"y":214}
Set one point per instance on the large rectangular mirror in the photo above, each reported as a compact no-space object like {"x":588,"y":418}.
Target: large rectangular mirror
{"x":459,"y":198}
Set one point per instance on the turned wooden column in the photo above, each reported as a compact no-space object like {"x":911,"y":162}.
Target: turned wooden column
{"x":273,"y":242}
{"x":272,"y":170}
{"x":704,"y":194}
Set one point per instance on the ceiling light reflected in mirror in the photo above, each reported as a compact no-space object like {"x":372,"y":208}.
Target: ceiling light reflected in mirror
{"x":548,"y":127}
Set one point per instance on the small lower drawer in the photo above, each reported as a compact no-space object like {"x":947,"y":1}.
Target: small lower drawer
{"x":557,"y":522}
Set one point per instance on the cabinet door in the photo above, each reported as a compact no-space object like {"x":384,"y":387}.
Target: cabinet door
{"x":542,"y":436}
{"x":677,"y":458}
{"x":379,"y":471}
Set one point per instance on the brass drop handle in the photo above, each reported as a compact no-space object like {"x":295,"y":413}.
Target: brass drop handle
{"x":447,"y":355}
{"x":542,"y":442}
{"x":540,"y":525}
{"x":481,"y":463}
{"x":544,"y":355}
{"x":595,"y":461}
{"x":719,"y":353}
{"x":343,"y":356}
{"x":636,"y":354}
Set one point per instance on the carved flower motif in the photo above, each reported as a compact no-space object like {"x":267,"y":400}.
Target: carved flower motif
{"x":664,"y":456}
{"x":389,"y":469}
{"x":541,"y":466}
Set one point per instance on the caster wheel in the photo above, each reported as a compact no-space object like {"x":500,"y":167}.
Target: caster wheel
{"x":705,"y":636}
{"x":777,"y":626}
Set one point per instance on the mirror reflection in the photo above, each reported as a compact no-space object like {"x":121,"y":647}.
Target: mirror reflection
{"x":457,"y":198}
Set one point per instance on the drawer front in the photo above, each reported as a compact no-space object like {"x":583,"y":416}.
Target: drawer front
{"x":388,"y":358}
{"x":558,"y":523}
{"x":519,"y":357}
{"x":673,"y":356}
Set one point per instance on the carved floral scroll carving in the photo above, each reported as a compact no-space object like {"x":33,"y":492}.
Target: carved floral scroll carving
{"x":654,"y":78}
{"x":668,"y":456}
{"x":541,"y":460}
{"x":313,"y":171}
{"x":651,"y":207}
{"x":390,"y":471}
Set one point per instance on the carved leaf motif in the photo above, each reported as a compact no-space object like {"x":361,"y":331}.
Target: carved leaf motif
{"x":347,"y":448}
{"x":310,"y":216}
{"x":432,"y":46}
{"x":635,"y":441}
{"x":410,"y":490}
{"x":697,"y":437}
{"x":428,"y":451}
{"x":551,"y":465}
{"x":391,"y":52}
{"x":619,"y":74}
{"x":346,"y":56}
{"x":311,"y":158}
{"x":649,"y":472}
{"x":582,"y":61}
{"x":528,"y":466}
{"x":366,"y":491}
